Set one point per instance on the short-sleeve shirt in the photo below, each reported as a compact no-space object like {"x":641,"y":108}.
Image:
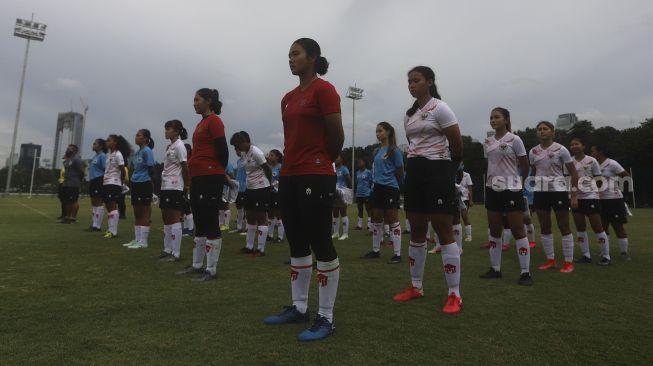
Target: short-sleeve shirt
{"x":305,"y":135}
{"x":171,"y":177}
{"x":256,"y":178}
{"x":385,"y":167}
{"x":72,"y":177}
{"x":276,"y":170}
{"x":424,"y":130}
{"x":503,"y":163}
{"x":341,"y":176}
{"x":549,"y":165}
{"x":363,"y":183}
{"x":204,"y":161}
{"x":587,"y":168}
{"x":96,"y":168}
{"x":465,"y":183}
{"x":112,"y":170}
{"x":241,"y":175}
{"x":610,"y":169}
{"x":143,"y":161}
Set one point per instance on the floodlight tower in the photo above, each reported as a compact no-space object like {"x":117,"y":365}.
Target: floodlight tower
{"x":354,"y":94}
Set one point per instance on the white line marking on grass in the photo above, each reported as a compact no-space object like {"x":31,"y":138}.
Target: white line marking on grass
{"x":33,"y":209}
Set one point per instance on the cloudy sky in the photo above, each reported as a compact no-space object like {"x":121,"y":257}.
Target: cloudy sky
{"x":137,"y":64}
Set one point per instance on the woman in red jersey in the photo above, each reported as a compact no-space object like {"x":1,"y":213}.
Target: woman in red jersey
{"x":207,"y":169}
{"x":313,"y":139}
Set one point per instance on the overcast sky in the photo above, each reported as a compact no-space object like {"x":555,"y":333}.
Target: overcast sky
{"x":137,"y":64}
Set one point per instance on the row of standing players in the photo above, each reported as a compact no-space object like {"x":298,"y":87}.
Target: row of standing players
{"x":307,"y":185}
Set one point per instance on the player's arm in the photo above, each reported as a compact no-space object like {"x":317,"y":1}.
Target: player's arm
{"x":185,"y":175}
{"x":335,"y":134}
{"x":455,"y":143}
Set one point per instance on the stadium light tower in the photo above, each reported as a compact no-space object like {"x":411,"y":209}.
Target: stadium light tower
{"x":354,"y":94}
{"x":32,"y":31}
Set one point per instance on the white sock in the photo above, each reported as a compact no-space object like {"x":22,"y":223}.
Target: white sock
{"x":328,"y":276}
{"x":370,"y":225}
{"x":495,"y":253}
{"x":93,"y":218}
{"x":227,"y":217}
{"x":137,"y":233}
{"x":199,"y":250}
{"x":271,"y":226}
{"x":377,"y":236}
{"x":300,"y":278}
{"x":262,"y":236}
{"x":212,"y":255}
{"x":568,"y":247}
{"x":604,"y":243}
{"x":240,"y":218}
{"x":583,"y":244}
{"x":221,"y":217}
{"x":458,"y":235}
{"x":507,"y":236}
{"x":280,"y":230}
{"x":547,"y":244}
{"x":175,"y":239}
{"x":530,"y":232}
{"x":251,"y":236}
{"x":395,"y":232}
{"x":386,"y":229}
{"x":416,"y":260}
{"x":100,"y":216}
{"x":451,"y":266}
{"x":336,"y":225}
{"x":144,"y":236}
{"x":488,"y":234}
{"x":167,"y":239}
{"x":523,"y":254}
{"x":188,"y":222}
{"x":468,"y":230}
{"x":113,"y":222}
{"x":623,"y":245}
{"x":359,"y":223}
{"x":345,"y":225}
{"x":407,"y":225}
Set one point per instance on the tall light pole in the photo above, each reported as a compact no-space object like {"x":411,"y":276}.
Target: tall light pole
{"x":31,"y":182}
{"x":32,"y":31}
{"x":354,"y":94}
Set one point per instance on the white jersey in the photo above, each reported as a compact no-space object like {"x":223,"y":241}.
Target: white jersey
{"x":256,"y":178}
{"x":112,"y":170}
{"x":610,"y":169}
{"x":465,"y":183}
{"x":549,"y":169}
{"x":171,"y":177}
{"x":587,"y":169}
{"x":424,"y":131}
{"x":503,"y":163}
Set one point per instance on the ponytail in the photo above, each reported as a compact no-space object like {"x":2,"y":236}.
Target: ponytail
{"x":428,"y":74}
{"x":312,"y":49}
{"x":177,"y":126}
{"x":213,"y":96}
{"x":122,"y":145}
{"x":146,"y":133}
{"x":392,"y":136}
{"x":506,"y":115}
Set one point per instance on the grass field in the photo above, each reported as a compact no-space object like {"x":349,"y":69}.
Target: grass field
{"x":69,"y":297}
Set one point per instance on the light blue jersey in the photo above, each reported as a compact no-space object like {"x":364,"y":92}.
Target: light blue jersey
{"x":363,"y":183}
{"x":96,"y":168}
{"x":341,"y":176}
{"x":143,"y":161}
{"x":241,"y":175}
{"x":385,"y":167}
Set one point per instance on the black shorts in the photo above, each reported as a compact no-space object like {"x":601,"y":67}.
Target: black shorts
{"x":111,"y":192}
{"x":466,"y":203}
{"x":205,"y":198}
{"x":614,"y":211}
{"x":141,"y":193}
{"x":95,"y":187}
{"x":240,"y":200}
{"x":172,"y":200}
{"x":363,"y":200}
{"x":274,"y":200}
{"x":504,"y":201}
{"x":258,"y":199}
{"x":385,"y":197}
{"x":60,"y":192}
{"x":588,"y":207}
{"x":430,"y":186}
{"x":69,"y":194}
{"x":558,"y":201}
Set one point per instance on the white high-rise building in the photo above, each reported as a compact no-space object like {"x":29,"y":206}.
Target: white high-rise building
{"x":566,"y":121}
{"x":70,"y":130}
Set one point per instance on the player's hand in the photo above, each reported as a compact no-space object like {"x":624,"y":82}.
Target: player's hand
{"x":574,"y":202}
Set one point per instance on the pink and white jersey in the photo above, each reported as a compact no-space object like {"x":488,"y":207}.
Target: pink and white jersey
{"x":502,"y":162}
{"x":610,"y":170}
{"x":256,"y":178}
{"x":112,"y":170}
{"x":424,"y":131}
{"x":549,"y":165}
{"x":465,"y":185}
{"x":171,"y":177}
{"x":587,"y":169}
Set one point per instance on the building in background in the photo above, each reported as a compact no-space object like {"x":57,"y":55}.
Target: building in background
{"x":566,"y":121}
{"x":15,"y":160}
{"x":27,"y":152}
{"x":70,"y":130}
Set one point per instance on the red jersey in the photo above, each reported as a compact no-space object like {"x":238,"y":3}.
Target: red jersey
{"x":305,"y":135}
{"x":204,"y":160}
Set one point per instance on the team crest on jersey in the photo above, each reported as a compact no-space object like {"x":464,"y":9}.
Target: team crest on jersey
{"x":322,"y":280}
{"x":523,"y":251}
{"x":449,"y":269}
{"x":303,"y":102}
{"x":551,"y":156}
{"x":503,"y":147}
